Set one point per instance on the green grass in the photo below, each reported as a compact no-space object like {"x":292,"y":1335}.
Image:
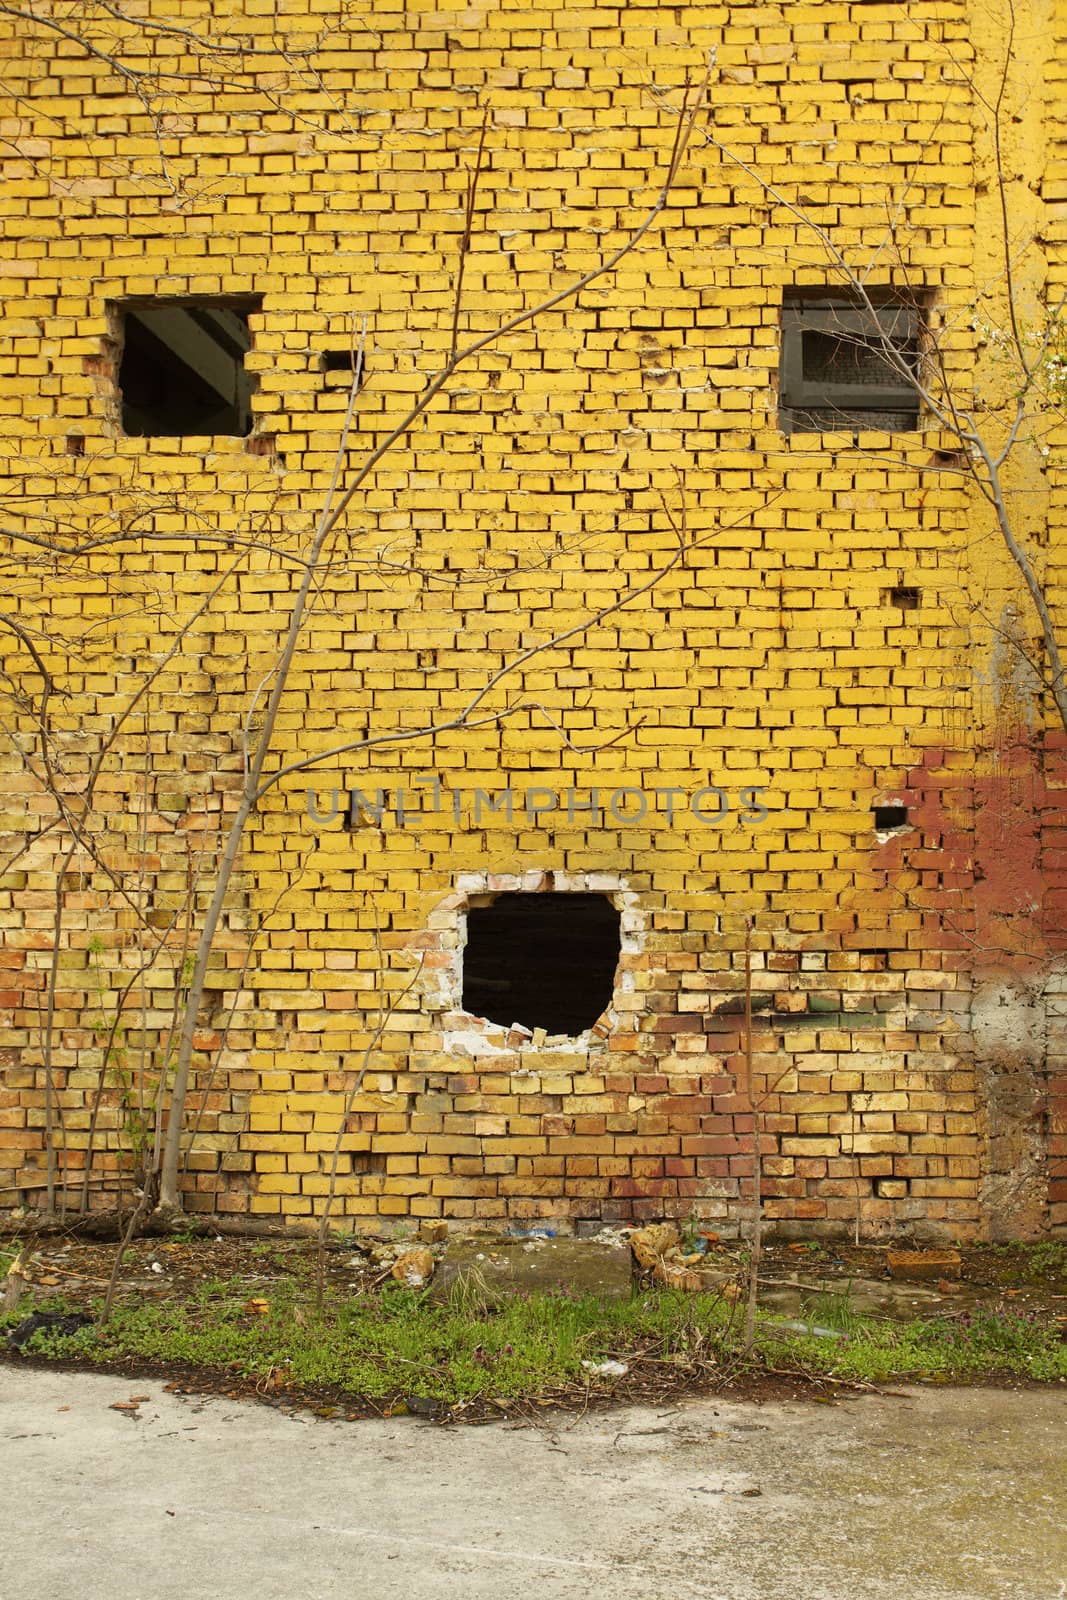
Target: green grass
{"x":1044,"y":1262}
{"x":396,"y":1343}
{"x":400,"y":1343}
{"x":989,"y":1342}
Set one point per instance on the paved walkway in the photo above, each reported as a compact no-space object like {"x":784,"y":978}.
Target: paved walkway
{"x":941,"y":1495}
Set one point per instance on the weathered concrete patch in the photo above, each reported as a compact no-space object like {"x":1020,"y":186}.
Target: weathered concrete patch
{"x":1009,"y":1026}
{"x":869,"y":1297}
{"x":498,"y":1267}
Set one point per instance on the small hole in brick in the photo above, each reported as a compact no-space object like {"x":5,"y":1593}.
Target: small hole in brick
{"x":874,"y":960}
{"x":363,"y":811}
{"x":905,"y":597}
{"x":542,"y":960}
{"x":75,"y":444}
{"x":339,"y":361}
{"x":887,"y":817}
{"x":949,"y":460}
{"x":367,"y":1162}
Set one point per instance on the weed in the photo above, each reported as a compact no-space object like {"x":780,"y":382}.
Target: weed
{"x":530,"y":1346}
{"x":833,"y":1309}
{"x":191,"y":1233}
{"x":689,"y":1233}
{"x":1047,"y":1259}
{"x":1043,"y":1262}
{"x":988,"y":1342}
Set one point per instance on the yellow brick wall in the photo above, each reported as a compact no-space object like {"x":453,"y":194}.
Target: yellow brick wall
{"x":319,"y":158}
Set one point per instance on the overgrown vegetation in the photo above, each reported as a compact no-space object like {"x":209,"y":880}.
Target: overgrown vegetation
{"x":997,"y":1341}
{"x":398,"y":1345}
{"x":1033,"y":1263}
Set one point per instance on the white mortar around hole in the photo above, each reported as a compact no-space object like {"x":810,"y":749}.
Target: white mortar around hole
{"x":442,"y":986}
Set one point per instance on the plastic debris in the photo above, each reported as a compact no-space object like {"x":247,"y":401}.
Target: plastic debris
{"x":803,"y":1327}
{"x":56,"y":1323}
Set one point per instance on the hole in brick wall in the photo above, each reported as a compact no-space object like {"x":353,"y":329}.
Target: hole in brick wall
{"x":874,"y":960}
{"x":362,"y":811}
{"x":887,"y":817}
{"x":183,"y":367}
{"x":339,"y":361}
{"x":905,"y":596}
{"x":542,"y":960}
{"x":366,"y":1162}
{"x":75,"y":444}
{"x":949,"y":461}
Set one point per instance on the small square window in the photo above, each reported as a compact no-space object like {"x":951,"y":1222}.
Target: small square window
{"x":183,"y":367}
{"x":846,"y":366}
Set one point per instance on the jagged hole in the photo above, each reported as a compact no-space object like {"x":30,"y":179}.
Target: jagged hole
{"x":543,"y":960}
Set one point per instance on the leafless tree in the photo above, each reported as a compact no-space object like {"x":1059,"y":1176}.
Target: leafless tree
{"x":986,"y":372}
{"x":53,"y":538}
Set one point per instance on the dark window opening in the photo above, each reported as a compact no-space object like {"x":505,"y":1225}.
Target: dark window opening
{"x":183,"y":368}
{"x":905,"y":598}
{"x":846,"y":366}
{"x":542,"y":960}
{"x":886,"y":817}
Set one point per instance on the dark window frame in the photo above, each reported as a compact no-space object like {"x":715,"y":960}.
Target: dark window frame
{"x":802,"y":397}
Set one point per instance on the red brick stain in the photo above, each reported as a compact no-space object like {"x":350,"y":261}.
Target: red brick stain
{"x":986,"y":869}
{"x":984,"y":864}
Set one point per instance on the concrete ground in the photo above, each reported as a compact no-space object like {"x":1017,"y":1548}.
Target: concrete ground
{"x":940,"y":1495}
